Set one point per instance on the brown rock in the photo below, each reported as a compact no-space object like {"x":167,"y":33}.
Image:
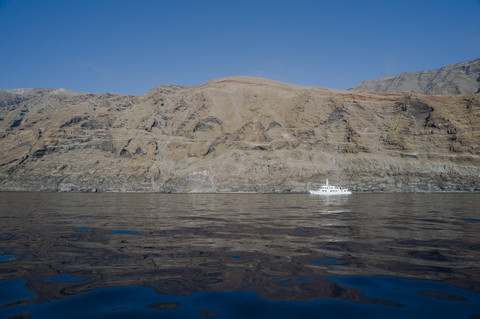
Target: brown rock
{"x":238,"y":134}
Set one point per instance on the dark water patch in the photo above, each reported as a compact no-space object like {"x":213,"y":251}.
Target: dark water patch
{"x":13,"y":291}
{"x":338,"y":246}
{"x":211,"y":265}
{"x":151,"y":255}
{"x":429,"y":220}
{"x":442,"y":295}
{"x":65,"y":278}
{"x":2,"y":235}
{"x":415,"y":296}
{"x":414,"y":242}
{"x":124,"y":232}
{"x":8,"y":270}
{"x":207,"y":281}
{"x":84,"y":228}
{"x":475,"y":247}
{"x":471,"y":219}
{"x":141,"y":302}
{"x":325,"y":261}
{"x":430,"y":243}
{"x":7,"y":258}
{"x":236,"y":257}
{"x":207,"y":314}
{"x":302,"y":279}
{"x":432,"y":255}
{"x":164,"y":305}
{"x":432,"y":269}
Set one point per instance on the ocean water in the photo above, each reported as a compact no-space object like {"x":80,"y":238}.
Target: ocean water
{"x":68,"y":255}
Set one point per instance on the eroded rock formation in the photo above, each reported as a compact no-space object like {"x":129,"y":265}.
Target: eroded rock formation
{"x":238,"y":134}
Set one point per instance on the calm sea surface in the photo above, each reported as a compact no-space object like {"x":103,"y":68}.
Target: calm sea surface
{"x":239,"y":256}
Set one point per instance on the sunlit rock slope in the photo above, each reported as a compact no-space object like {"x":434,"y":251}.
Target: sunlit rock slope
{"x":238,"y":134}
{"x":461,"y":78}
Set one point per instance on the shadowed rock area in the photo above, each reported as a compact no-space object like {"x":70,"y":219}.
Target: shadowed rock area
{"x":461,"y":78}
{"x":238,"y":134}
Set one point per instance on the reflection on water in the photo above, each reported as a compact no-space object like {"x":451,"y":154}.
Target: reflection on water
{"x":67,"y":278}
{"x":275,"y":253}
{"x":442,"y":301}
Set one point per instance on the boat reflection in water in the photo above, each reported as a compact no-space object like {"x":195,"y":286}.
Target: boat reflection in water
{"x":239,"y":256}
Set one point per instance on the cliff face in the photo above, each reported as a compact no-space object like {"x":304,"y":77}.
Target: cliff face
{"x":238,"y":134}
{"x":461,"y":78}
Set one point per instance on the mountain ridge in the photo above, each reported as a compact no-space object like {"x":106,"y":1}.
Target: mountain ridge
{"x":239,"y":134}
{"x":460,"y":78}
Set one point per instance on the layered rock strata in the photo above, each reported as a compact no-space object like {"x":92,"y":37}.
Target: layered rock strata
{"x":238,"y":134}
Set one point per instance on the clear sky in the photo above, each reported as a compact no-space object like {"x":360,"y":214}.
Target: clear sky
{"x":129,"y":47}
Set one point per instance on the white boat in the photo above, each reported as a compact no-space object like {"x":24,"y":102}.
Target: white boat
{"x":330,"y":190}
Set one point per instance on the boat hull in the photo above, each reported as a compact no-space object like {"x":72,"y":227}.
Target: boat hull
{"x":330,"y":193}
{"x":328,"y":190}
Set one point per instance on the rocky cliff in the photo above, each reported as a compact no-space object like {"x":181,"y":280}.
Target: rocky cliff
{"x":461,"y":78}
{"x":238,"y":134}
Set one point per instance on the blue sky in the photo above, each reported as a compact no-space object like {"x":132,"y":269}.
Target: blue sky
{"x":128,"y":47}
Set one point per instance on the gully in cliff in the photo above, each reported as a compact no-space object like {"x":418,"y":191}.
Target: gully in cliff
{"x":330,"y":190}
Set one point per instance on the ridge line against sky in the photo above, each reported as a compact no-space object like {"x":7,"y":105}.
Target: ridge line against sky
{"x":128,"y":47}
